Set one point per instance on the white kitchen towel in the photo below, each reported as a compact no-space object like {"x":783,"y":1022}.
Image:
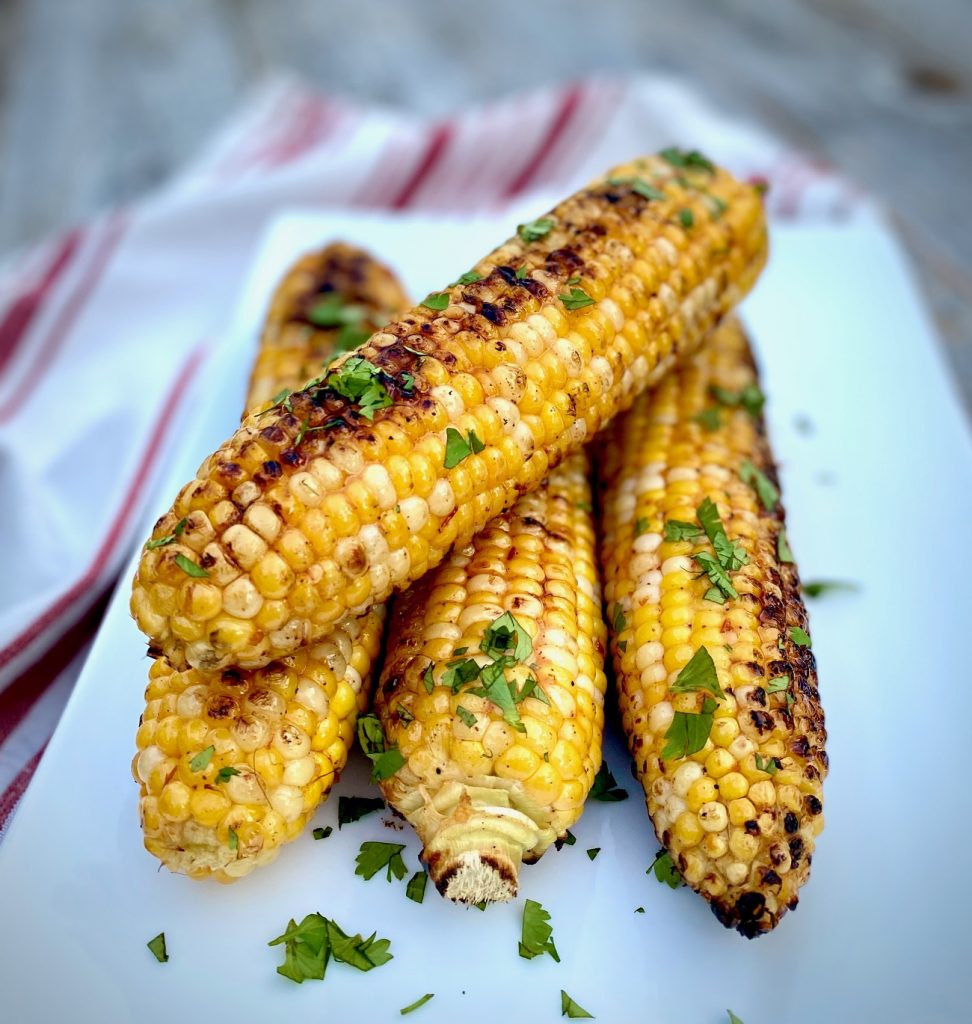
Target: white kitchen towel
{"x":104,"y":328}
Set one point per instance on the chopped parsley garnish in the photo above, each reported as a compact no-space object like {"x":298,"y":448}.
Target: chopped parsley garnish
{"x":436,"y":301}
{"x":467,"y":717}
{"x":374,"y":856}
{"x":664,"y":870}
{"x":281,"y":400}
{"x":312,"y":944}
{"x":577,"y":298}
{"x":731,"y":556}
{"x":460,"y":650}
{"x":778,"y":684}
{"x":721,"y":583}
{"x":385,"y":760}
{"x":769,"y":765}
{"x":618,"y":621}
{"x":225,"y":774}
{"x":470,"y":277}
{"x":573,"y":1010}
{"x":639,"y":910}
{"x":584,"y":506}
{"x":421,"y":1001}
{"x":733,"y":1019}
{"x":750,"y":398}
{"x":676,"y":529}
{"x":415,"y":890}
{"x":593,"y":852}
{"x":459,"y":673}
{"x":799,"y":636}
{"x":717,"y":206}
{"x":404,"y":715}
{"x":699,"y":674}
{"x":817,"y":588}
{"x":429,"y":679}
{"x":407,"y":382}
{"x":157,"y":945}
{"x":641,"y":526}
{"x":783,"y":551}
{"x":568,"y":839}
{"x":536,"y":937}
{"x":521,"y":272}
{"x":505,"y":636}
{"x":350,"y":337}
{"x":606,"y":788}
{"x":233,"y":839}
{"x":331,"y":311}
{"x":534,"y":230}
{"x":459,"y":448}
{"x":687,"y":158}
{"x":169,"y":538}
{"x":358,"y":380}
{"x":573,"y":280}
{"x":640,"y":186}
{"x":710,"y":419}
{"x":189,"y":567}
{"x":761,"y":483}
{"x":354,"y":808}
{"x":497,"y":688}
{"x":201,"y":761}
{"x":323,"y":833}
{"x":688,"y":732}
{"x":686,"y":217}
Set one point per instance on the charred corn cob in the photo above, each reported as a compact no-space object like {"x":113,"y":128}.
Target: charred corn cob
{"x":331,"y":300}
{"x":362,"y":482}
{"x":233,"y":764}
{"x":493,"y":691}
{"x":718,"y":686}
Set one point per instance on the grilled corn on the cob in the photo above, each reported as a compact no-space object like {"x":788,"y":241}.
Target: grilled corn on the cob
{"x":718,"y":687}
{"x":491,"y":777}
{"x":233,"y":764}
{"x":359,"y":484}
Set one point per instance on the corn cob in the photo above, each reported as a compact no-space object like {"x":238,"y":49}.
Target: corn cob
{"x":233,"y":764}
{"x":730,"y":751}
{"x":331,"y":299}
{"x":362,"y":482}
{"x":489,"y":784}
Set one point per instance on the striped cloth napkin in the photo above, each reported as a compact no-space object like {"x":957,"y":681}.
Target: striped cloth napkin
{"x":103,"y":327}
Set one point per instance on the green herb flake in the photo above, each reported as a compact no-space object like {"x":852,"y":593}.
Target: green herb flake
{"x":437,"y":301}
{"x":577,"y":298}
{"x":470,"y":277}
{"x":359,"y":381}
{"x":157,"y":946}
{"x":312,"y":944}
{"x":459,"y":448}
{"x":710,"y":419}
{"x":201,"y":761}
{"x":496,"y":688}
{"x":664,"y":870}
{"x":323,"y":833}
{"x":710,"y":566}
{"x":638,"y":186}
{"x":573,"y":280}
{"x":567,"y":839}
{"x":817,"y":588}
{"x":593,"y":852}
{"x":717,"y":206}
{"x":677,"y":530}
{"x":415,"y":890}
{"x":534,"y":230}
{"x":169,"y":538}
{"x":778,"y":684}
{"x":639,"y":910}
{"x":418,"y":1002}
{"x":459,"y":673}
{"x":404,"y":715}
{"x":225,"y":774}
{"x":504,"y":636}
{"x":687,"y":159}
{"x":799,"y":636}
{"x":606,"y":788}
{"x":466,"y":716}
{"x":733,"y":1019}
{"x":715,"y":595}
{"x":688,"y":732}
{"x":536,"y":937}
{"x":750,"y":398}
{"x":618,"y":621}
{"x":699,"y":675}
{"x":686,"y":217}
{"x":385,"y":760}
{"x":622,"y":646}
{"x":641,"y":526}
{"x":769,"y":765}
{"x":354,"y":808}
{"x":572,"y":1009}
{"x":429,"y":679}
{"x":331,"y":311}
{"x":731,"y":556}
{"x":374,"y":856}
{"x":233,"y":839}
{"x":521,"y":272}
{"x":761,"y":483}
{"x":189,"y":567}
{"x":783,"y":551}
{"x":584,"y":506}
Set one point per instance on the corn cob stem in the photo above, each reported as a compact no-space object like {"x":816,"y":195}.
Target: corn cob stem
{"x":492,"y":778}
{"x":358,"y":485}
{"x":732,"y":760}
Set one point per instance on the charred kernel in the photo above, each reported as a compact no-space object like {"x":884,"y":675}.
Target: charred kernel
{"x":791,"y":823}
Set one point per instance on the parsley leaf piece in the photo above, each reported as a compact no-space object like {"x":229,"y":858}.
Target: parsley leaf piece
{"x":639,"y":910}
{"x":306,"y":947}
{"x":783,"y":551}
{"x":331,"y":311}
{"x":731,"y":556}
{"x":571,"y":1009}
{"x":687,"y":158}
{"x":429,"y":679}
{"x":767,"y":764}
{"x":354,"y":808}
{"x":568,"y":839}
{"x":233,"y":839}
{"x":521,"y":272}
{"x":664,"y":870}
{"x":404,"y":715}
{"x":470,"y":277}
{"x":169,"y":538}
{"x":577,"y":298}
{"x":686,"y":217}
{"x":363,"y":954}
{"x":709,"y":564}
{"x":157,"y":945}
{"x":225,"y":774}
{"x":733,"y":1019}
{"x":374,"y":856}
{"x":460,"y":650}
{"x":459,"y":448}
{"x":350,"y":337}
{"x":750,"y":398}
{"x":641,"y":526}
{"x":584,"y":506}
{"x":385,"y":760}
{"x":189,"y":567}
{"x":618,"y":621}
{"x":799,"y":636}
{"x":622,"y":646}
{"x":534,"y":230}
{"x":458,"y":673}
{"x":496,"y":687}
{"x":817,"y":588}
{"x":642,"y":188}
{"x":201,"y":761}
{"x":717,"y":206}
{"x":323,"y":833}
{"x":436,"y":301}
{"x":699,"y":674}
{"x":536,"y":937}
{"x":715,"y":595}
{"x":606,"y":788}
{"x":421,"y":1001}
{"x":466,"y":716}
{"x":688,"y":732}
{"x":761,"y":483}
{"x":359,"y":380}
{"x":710,"y":419}
{"x":593,"y":852}
{"x":415,"y":890}
{"x":676,"y":529}
{"x":504,"y":636}
{"x":778,"y":684}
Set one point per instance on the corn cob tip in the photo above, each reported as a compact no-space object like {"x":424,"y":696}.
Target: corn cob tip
{"x":476,"y":877}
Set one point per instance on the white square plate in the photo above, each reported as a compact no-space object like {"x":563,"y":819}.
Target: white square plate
{"x":878,"y":493}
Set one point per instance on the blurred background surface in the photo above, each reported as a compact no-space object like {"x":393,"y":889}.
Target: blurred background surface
{"x":100,"y":100}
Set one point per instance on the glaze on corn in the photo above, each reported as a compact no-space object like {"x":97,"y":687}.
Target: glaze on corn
{"x":232,"y":764}
{"x":740,"y":816}
{"x":482,"y":794}
{"x":313,"y":512}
